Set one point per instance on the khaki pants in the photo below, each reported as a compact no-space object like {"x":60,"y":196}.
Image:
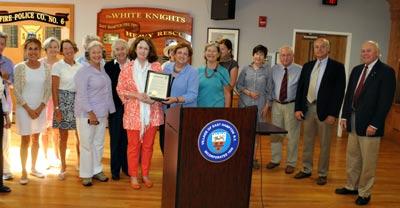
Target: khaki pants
{"x":311,"y":127}
{"x":361,"y":158}
{"x":283,"y":116}
{"x":6,"y":149}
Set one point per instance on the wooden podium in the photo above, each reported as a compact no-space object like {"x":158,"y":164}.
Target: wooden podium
{"x":190,"y":180}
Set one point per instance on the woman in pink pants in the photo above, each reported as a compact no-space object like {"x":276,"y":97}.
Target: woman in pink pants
{"x":142,"y":115}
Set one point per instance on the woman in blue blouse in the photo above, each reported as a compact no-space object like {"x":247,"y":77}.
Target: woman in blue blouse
{"x":214,"y":90}
{"x":185,"y":82}
{"x":252,"y":86}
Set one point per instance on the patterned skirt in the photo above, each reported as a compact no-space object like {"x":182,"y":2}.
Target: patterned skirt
{"x":66,"y":101}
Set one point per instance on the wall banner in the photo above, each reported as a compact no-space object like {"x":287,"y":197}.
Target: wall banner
{"x":57,"y":19}
{"x":162,"y":26}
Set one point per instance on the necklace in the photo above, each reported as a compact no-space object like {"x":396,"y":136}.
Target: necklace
{"x":206,"y":73}
{"x":177,"y":69}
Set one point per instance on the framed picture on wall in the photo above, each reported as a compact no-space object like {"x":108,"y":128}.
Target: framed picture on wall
{"x":277,"y":58}
{"x":271,"y":59}
{"x":217,"y":34}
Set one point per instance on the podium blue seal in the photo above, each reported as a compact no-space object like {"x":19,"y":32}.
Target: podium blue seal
{"x":218,"y":141}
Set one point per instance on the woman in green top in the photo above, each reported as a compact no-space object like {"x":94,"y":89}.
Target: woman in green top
{"x":214,"y":90}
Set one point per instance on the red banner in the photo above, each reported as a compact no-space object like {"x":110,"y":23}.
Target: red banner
{"x":162,"y":26}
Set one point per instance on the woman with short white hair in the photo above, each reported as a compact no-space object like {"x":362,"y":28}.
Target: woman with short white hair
{"x":85,"y":43}
{"x":118,"y":137}
{"x":93,"y":103}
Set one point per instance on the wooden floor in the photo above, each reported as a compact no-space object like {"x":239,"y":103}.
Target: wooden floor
{"x":276,"y":188}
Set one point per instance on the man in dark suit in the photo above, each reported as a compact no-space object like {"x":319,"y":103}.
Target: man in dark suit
{"x":318,"y":100}
{"x":368,"y":99}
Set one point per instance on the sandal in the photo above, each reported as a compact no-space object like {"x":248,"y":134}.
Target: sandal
{"x":23,"y":181}
{"x":147,"y":182}
{"x":135,"y":184}
{"x":36,"y":173}
{"x":61,"y":175}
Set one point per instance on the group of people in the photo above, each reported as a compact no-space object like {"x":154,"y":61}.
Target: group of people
{"x":314,"y":94}
{"x":88,"y":94}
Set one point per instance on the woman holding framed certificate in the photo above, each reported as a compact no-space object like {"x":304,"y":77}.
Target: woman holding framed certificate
{"x":185,"y":82}
{"x":142,"y":115}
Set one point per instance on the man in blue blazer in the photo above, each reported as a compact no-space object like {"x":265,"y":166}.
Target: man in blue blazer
{"x":318,"y":100}
{"x":368,"y":99}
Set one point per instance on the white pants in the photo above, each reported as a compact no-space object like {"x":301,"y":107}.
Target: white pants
{"x":6,"y":148}
{"x":91,"y":146}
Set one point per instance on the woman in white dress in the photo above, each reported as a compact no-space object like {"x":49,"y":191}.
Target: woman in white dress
{"x":32,"y":90}
{"x":51,"y":47}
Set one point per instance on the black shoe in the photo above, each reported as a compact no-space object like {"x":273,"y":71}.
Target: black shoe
{"x":5,"y":189}
{"x":301,"y":175}
{"x":345,"y":191}
{"x":289,"y":169}
{"x":363,"y":200}
{"x":272,"y":165}
{"x":322,"y":180}
{"x":115,"y":177}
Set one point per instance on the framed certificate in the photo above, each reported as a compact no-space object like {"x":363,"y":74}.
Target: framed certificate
{"x":158,"y":85}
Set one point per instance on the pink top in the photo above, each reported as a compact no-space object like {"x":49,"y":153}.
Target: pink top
{"x":125,"y":85}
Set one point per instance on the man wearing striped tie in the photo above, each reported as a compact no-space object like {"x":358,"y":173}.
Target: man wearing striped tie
{"x":318,"y":100}
{"x":283,"y":85}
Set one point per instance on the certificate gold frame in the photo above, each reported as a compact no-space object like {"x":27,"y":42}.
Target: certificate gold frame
{"x":217,"y":34}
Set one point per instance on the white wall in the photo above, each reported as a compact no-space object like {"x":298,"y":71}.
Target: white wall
{"x":365,"y":19}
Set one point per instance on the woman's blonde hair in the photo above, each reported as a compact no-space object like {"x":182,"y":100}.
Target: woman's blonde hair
{"x":48,"y":41}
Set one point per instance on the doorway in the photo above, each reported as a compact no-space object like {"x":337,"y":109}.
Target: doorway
{"x":303,"y":41}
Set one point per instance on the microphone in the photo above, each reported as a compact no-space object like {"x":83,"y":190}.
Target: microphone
{"x":241,"y":102}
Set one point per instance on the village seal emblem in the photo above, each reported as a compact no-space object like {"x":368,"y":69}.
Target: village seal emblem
{"x":218,"y":141}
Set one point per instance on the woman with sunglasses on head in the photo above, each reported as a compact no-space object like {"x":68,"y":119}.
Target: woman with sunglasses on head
{"x":185,"y":82}
{"x":32,"y":90}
